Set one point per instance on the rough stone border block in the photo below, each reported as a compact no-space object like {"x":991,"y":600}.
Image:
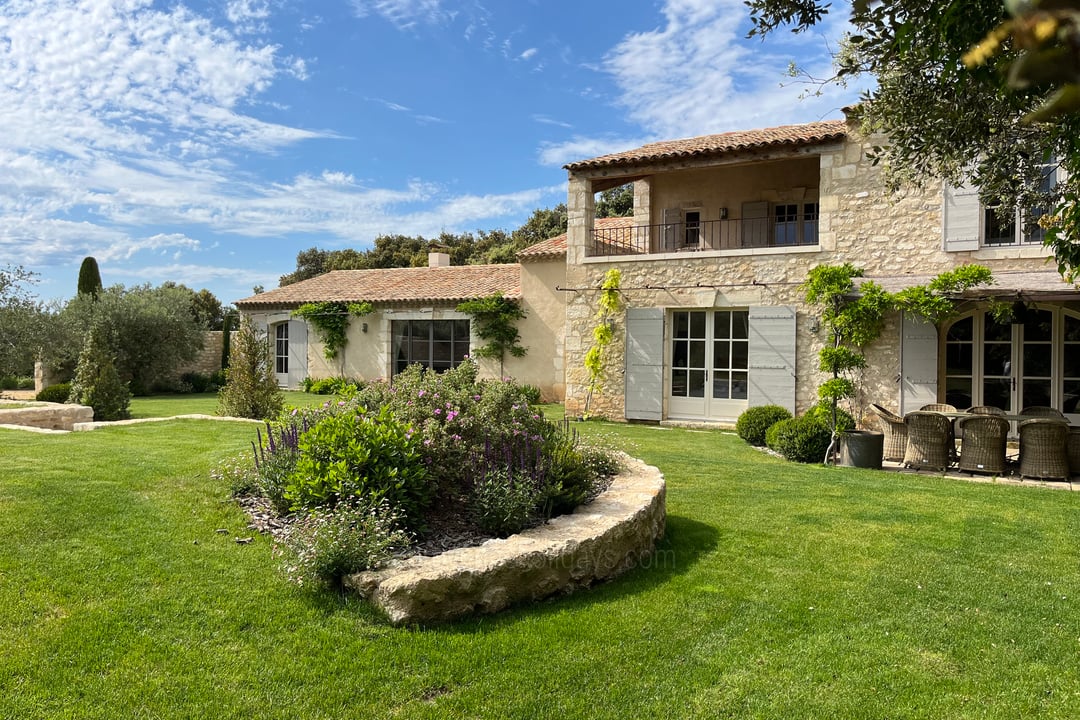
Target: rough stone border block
{"x":596,"y":542}
{"x":45,"y":415}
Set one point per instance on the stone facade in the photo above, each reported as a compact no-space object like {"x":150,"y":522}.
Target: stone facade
{"x":598,"y":541}
{"x":860,"y":221}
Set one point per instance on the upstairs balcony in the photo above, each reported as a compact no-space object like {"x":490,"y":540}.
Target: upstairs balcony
{"x":789,"y":226}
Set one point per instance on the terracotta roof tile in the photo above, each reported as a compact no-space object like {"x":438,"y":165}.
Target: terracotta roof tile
{"x":397,"y":285}
{"x":556,"y":246}
{"x":706,"y":145}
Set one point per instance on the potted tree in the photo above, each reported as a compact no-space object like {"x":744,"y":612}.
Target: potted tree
{"x":852,"y":321}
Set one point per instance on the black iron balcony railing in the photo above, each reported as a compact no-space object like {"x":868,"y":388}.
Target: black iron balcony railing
{"x":792,"y":231}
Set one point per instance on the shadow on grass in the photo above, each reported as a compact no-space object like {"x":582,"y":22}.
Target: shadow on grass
{"x":684,"y":543}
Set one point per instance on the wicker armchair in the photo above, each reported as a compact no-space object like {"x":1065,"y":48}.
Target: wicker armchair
{"x":895,"y":431}
{"x":1041,"y":411}
{"x":937,"y":407}
{"x":1043,"y":448}
{"x":985,"y":410}
{"x":1073,"y":450}
{"x":982,"y":449}
{"x":930,"y":441}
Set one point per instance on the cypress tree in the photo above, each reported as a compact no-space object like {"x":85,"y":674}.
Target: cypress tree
{"x":89,"y":278}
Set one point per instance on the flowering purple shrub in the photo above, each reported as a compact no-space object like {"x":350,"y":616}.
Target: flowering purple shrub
{"x":465,"y":423}
{"x":434,"y":449}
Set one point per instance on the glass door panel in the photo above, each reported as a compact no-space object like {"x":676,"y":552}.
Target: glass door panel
{"x":1037,"y":354}
{"x":997,"y":357}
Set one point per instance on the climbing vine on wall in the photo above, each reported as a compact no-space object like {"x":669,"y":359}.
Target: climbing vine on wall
{"x":331,"y":320}
{"x":496,"y":320}
{"x":609,"y":305}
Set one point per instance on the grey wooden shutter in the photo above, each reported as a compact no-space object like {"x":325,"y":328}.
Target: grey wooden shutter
{"x":755,"y":224}
{"x":644,"y":363}
{"x":772,"y":356}
{"x":918,"y":363}
{"x":672,"y":220}
{"x":960,"y":218}
{"x":297,"y":352}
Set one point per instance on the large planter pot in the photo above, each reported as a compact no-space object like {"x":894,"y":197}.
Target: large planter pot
{"x":861,"y":449}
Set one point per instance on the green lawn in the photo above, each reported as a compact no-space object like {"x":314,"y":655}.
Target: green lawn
{"x":779,"y":591}
{"x":203,"y":404}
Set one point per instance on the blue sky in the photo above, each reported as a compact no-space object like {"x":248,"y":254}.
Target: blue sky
{"x":208,"y":142}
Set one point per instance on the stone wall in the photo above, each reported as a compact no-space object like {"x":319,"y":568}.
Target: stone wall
{"x":861,"y":222}
{"x":50,"y":416}
{"x":208,"y":360}
{"x":599,"y":541}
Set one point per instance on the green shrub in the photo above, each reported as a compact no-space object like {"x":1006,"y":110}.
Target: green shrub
{"x":801,"y":439}
{"x":329,"y":544}
{"x":331,"y":386}
{"x":756,"y":421}
{"x":504,"y":503}
{"x":58,"y":393}
{"x":11,"y":382}
{"x":531,"y":393}
{"x":360,"y":454}
{"x":97,"y":383}
{"x":823,"y":411}
{"x":460,"y":418}
{"x":199,"y":383}
{"x":251,"y":388}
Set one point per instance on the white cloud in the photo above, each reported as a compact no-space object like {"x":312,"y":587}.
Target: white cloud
{"x":249,"y":16}
{"x":528,"y":54}
{"x":545,"y":120}
{"x":404,"y":14}
{"x":579,"y":148}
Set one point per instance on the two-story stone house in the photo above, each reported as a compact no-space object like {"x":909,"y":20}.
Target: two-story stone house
{"x":726,"y":227}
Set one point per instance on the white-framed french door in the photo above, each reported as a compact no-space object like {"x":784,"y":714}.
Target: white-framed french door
{"x":709,"y":370}
{"x":289,"y":346}
{"x":1033,"y":360}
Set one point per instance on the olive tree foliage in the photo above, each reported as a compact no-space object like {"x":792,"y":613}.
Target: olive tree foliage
{"x":983,"y":121}
{"x":23,"y":322}
{"x":150,"y":331}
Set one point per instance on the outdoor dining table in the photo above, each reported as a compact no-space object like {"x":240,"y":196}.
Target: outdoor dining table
{"x":1058,"y":466}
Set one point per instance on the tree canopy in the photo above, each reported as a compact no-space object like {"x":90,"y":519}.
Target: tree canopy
{"x":980,"y":121}
{"x":389,"y":251}
{"x":23,"y":321}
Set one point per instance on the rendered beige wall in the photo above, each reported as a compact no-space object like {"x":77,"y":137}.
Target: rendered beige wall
{"x":369,"y":355}
{"x":861,"y":222}
{"x":542,"y":329}
{"x":729,"y":187}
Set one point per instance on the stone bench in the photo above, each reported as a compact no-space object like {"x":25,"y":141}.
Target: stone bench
{"x":598,"y":541}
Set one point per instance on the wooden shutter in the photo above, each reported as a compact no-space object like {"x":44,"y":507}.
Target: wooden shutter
{"x":918,"y":363}
{"x":755,"y":224}
{"x":644,"y":363}
{"x":297,"y":352}
{"x":672,"y":221}
{"x":772,"y":356}
{"x":960,"y":218}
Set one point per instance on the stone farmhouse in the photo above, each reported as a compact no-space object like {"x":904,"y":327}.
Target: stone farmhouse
{"x":724,"y":230}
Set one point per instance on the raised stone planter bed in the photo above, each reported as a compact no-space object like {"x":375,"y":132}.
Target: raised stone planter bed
{"x":596,"y":542}
{"x":48,"y":416}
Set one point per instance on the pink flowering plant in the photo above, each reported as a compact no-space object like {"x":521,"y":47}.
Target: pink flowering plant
{"x":432,"y":453}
